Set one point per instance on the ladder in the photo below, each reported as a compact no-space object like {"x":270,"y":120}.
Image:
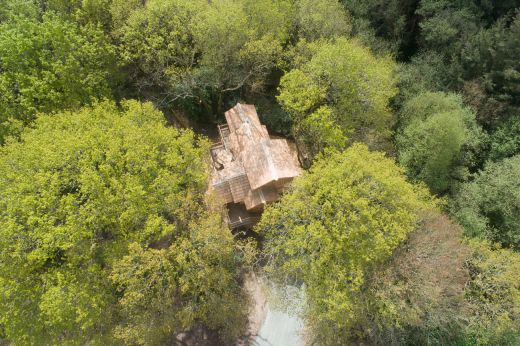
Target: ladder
{"x":224,"y":132}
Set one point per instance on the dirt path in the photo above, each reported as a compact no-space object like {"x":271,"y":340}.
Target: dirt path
{"x":257,"y":311}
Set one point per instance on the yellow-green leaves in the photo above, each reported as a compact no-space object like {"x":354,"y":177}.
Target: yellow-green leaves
{"x":104,"y":233}
{"x":146,"y":280}
{"x":50,"y":65}
{"x":321,"y":19}
{"x":494,"y":295}
{"x":299,"y":93}
{"x":355,"y":85}
{"x":195,"y":49}
{"x":347,"y":213}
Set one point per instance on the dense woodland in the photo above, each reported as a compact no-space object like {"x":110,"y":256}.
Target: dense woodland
{"x":404,"y":228}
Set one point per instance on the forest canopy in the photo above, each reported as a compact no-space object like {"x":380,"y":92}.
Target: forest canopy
{"x":105,"y":236}
{"x":350,"y":211}
{"x":341,"y":92}
{"x":403,"y":228}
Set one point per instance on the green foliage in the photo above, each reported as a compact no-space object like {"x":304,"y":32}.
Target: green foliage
{"x":170,"y":290}
{"x":488,"y":206}
{"x":491,"y":57}
{"x":439,"y":290}
{"x":80,"y":11}
{"x":240,"y":43}
{"x":417,"y":296}
{"x":428,"y":148}
{"x":202,"y":55}
{"x":197,"y":51}
{"x":12,"y":9}
{"x":505,"y":141}
{"x":384,"y":25}
{"x":494,"y":296}
{"x":321,"y":19}
{"x":104,"y":237}
{"x":273,"y":115}
{"x":107,"y":236}
{"x":435,"y":127}
{"x":157,"y":40}
{"x":479,"y":44}
{"x":48,"y":66}
{"x":425,"y":104}
{"x":346,"y":214}
{"x":490,"y":111}
{"x":477,"y":40}
{"x":321,"y":131}
{"x":445,"y":23}
{"x":353,"y":85}
{"x":425,"y":72}
{"x":120,"y":10}
{"x":146,"y":278}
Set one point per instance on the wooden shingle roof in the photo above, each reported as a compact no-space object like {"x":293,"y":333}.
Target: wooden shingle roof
{"x":247,"y":149}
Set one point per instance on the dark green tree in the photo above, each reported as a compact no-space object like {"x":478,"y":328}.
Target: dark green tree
{"x":490,"y":59}
{"x":488,"y":206}
{"x":505,"y":141}
{"x":386,"y":25}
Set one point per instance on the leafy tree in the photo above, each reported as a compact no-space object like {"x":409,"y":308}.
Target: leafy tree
{"x":157,"y":39}
{"x":199,"y":51}
{"x":12,"y":9}
{"x":439,"y":289}
{"x":490,"y":111}
{"x":428,"y":148}
{"x":346,"y":214}
{"x":488,"y":206}
{"x":192,"y":282}
{"x":342,"y":87}
{"x":493,"y":296}
{"x":321,"y":19}
{"x":104,"y":233}
{"x":491,"y":11}
{"x":491,"y":58}
{"x":50,"y":65}
{"x":505,"y":141}
{"x":120,"y":10}
{"x":386,"y":25}
{"x":417,"y":296}
{"x":81,"y":12}
{"x":273,"y":115}
{"x":446,"y":23}
{"x":478,"y":42}
{"x":424,"y":73}
{"x":240,"y":42}
{"x":435,"y":129}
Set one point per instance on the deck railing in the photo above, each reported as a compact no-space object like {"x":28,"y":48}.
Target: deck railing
{"x":246,"y":221}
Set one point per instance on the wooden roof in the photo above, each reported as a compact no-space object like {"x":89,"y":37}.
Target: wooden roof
{"x":264,"y":159}
{"x":246,"y":148}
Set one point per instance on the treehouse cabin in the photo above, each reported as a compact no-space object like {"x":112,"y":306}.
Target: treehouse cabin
{"x":250,"y":167}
